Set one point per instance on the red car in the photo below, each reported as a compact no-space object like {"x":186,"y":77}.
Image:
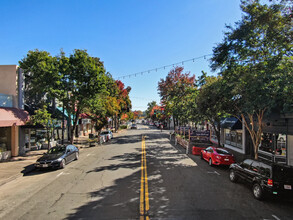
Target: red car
{"x":217,"y":156}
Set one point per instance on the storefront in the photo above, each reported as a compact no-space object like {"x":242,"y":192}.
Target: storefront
{"x":233,"y":134}
{"x":273,"y":147}
{"x":10,"y":120}
{"x":5,"y":143}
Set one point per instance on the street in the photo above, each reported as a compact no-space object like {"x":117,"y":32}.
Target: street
{"x":106,"y":183}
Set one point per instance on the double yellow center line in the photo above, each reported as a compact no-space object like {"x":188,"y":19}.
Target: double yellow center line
{"x":144,"y":191}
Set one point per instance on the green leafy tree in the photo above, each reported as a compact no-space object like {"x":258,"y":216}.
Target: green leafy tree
{"x":86,"y":80}
{"x":255,"y":59}
{"x":76,"y":81}
{"x":150,"y":108}
{"x":43,"y":117}
{"x":212,"y":102}
{"x":41,"y":78}
{"x":175,"y":91}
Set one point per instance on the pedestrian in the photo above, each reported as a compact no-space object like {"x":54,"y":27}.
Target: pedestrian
{"x":161,"y":126}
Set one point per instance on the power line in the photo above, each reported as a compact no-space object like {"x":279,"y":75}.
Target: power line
{"x":164,"y":67}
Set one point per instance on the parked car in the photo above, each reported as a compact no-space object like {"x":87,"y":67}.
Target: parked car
{"x":133,"y":126}
{"x":265,"y":178}
{"x":58,"y":157}
{"x":108,"y":134}
{"x":217,"y":156}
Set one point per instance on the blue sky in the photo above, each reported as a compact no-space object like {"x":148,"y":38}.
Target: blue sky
{"x":129,"y":36}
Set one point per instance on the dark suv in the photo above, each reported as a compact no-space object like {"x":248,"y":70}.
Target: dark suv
{"x":265,"y":178}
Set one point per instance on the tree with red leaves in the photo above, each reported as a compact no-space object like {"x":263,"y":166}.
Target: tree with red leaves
{"x":176,"y":92}
{"x":123,"y":101}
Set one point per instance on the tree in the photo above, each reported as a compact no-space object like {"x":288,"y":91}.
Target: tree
{"x":211,"y":102}
{"x":123,"y":101}
{"x":78,"y":80}
{"x":43,"y":117}
{"x":175,"y":93}
{"x":255,"y":59}
{"x":150,"y":108}
{"x":87,"y":80}
{"x":41,"y":78}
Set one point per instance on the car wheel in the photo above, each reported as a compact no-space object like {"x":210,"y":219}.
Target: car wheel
{"x":257,"y":191}
{"x":62,"y":164}
{"x":210,"y":162}
{"x":233,"y":177}
{"x":76,"y":155}
{"x":201,"y":157}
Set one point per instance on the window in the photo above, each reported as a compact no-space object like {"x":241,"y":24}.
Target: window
{"x":233,"y":135}
{"x":227,"y":135}
{"x":267,"y":143}
{"x":281,"y":144}
{"x":233,"y":138}
{"x":265,"y":170}
{"x":274,"y":143}
{"x":246,"y":164}
{"x":222,"y":151}
{"x":254,"y":166}
{"x":5,"y":139}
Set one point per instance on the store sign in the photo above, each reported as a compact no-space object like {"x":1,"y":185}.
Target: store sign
{"x":6,"y":100}
{"x":200,"y":135}
{"x":86,"y":121}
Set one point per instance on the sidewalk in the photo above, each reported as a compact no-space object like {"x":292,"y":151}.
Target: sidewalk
{"x":21,"y":165}
{"x":18,"y":166}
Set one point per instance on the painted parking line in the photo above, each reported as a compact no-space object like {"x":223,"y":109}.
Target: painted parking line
{"x":214,"y":172}
{"x":275,"y":217}
{"x":62,"y":173}
{"x":144,"y":191}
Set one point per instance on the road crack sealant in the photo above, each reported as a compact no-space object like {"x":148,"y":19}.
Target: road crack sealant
{"x":57,"y":200}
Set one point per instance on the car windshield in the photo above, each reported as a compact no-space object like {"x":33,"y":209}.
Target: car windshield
{"x":57,"y":150}
{"x":104,"y":132}
{"x":222,"y":151}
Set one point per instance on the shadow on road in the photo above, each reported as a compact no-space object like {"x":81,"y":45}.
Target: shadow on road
{"x":178,"y":187}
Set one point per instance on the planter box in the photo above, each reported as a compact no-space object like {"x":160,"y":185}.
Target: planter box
{"x":184,"y":143}
{"x":5,"y":155}
{"x":197,"y":147}
{"x":197,"y":150}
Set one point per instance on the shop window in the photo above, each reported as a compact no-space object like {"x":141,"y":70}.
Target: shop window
{"x":5,"y":139}
{"x":239,"y":139}
{"x":267,"y":143}
{"x":233,"y":138}
{"x":227,"y":135}
{"x":281,"y":144}
{"x":274,"y":143}
{"x":213,"y":134}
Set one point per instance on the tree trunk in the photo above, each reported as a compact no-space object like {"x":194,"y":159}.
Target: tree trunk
{"x":174,"y":122}
{"x":250,"y":126}
{"x":48,"y":138}
{"x":74,"y":125}
{"x":217,"y":130}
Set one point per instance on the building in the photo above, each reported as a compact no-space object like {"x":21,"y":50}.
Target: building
{"x":277,"y":138}
{"x":12,"y":114}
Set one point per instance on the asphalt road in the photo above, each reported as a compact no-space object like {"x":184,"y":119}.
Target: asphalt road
{"x":106,"y":181}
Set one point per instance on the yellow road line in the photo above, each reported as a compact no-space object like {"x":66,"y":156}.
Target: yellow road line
{"x":144,"y":192}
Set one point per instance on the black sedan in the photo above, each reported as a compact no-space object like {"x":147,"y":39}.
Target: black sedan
{"x":58,"y":157}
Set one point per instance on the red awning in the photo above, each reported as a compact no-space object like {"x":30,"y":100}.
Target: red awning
{"x":11,"y":116}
